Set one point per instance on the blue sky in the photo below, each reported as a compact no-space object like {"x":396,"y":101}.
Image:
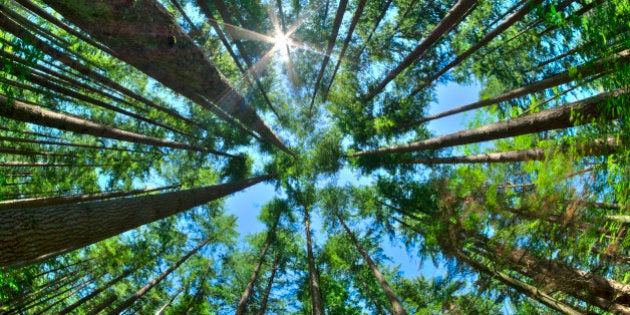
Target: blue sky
{"x":246,"y":205}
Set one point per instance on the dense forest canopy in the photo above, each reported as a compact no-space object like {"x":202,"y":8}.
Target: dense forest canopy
{"x":124,"y":124}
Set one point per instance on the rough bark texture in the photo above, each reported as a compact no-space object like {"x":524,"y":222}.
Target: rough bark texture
{"x":565,"y":116}
{"x":454,"y":16}
{"x":143,"y":34}
{"x":28,"y":235}
{"x":397,"y":307}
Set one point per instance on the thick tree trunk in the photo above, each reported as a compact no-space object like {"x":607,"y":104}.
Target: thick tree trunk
{"x":132,"y":299}
{"x":60,"y":200}
{"x":332,"y":39}
{"x":241,"y":308}
{"x":274,"y":270}
{"x":397,"y":307}
{"x":158,"y":47}
{"x":454,"y":16}
{"x":21,"y":111}
{"x":28,"y":235}
{"x":565,"y":116}
{"x":598,"y":147}
{"x":316,"y":297}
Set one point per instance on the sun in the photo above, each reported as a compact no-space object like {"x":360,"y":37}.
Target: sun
{"x":281,"y":43}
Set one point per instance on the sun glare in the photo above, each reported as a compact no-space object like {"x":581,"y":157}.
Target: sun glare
{"x":281,"y":44}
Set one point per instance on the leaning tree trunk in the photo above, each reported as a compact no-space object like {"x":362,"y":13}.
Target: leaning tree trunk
{"x":132,"y":299}
{"x":274,"y":270}
{"x":316,"y":297}
{"x":397,"y":307}
{"x":21,"y":111}
{"x":531,"y":291}
{"x":241,"y":308}
{"x":597,"y":147}
{"x":143,"y":34}
{"x":60,"y":200}
{"x":341,"y":9}
{"x":454,"y":16}
{"x":28,"y":235}
{"x":565,"y":116}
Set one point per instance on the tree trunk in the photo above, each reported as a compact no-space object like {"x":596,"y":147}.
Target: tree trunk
{"x":28,"y":235}
{"x":59,"y":143}
{"x":454,"y":16}
{"x":597,"y":147}
{"x":241,"y":308}
{"x":531,"y":291}
{"x":162,"y":50}
{"x":565,"y":116}
{"x":132,"y":299}
{"x":582,"y":71}
{"x":97,"y":291}
{"x":160,"y":311}
{"x":274,"y":270}
{"x":60,"y":200}
{"x":21,"y":111}
{"x":316,"y":297}
{"x":397,"y":307}
{"x":511,"y":20}
{"x":355,"y":20}
{"x":332,"y":39}
{"x":104,"y":304}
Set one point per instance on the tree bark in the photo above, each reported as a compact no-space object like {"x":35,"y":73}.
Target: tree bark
{"x":397,"y":307}
{"x":61,"y":200}
{"x":274,"y":270}
{"x":159,"y":47}
{"x":316,"y":297}
{"x":160,"y":311}
{"x":565,"y":116}
{"x":511,"y":20}
{"x":454,"y":16}
{"x":21,"y":111}
{"x":28,"y":235}
{"x":341,"y":9}
{"x":132,"y":299}
{"x":597,"y":147}
{"x":555,"y":80}
{"x":241,"y":308}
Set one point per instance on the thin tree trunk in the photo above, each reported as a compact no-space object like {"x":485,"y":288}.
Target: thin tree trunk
{"x":397,"y":307}
{"x":274,"y":270}
{"x":104,"y":304}
{"x":316,"y":297}
{"x":332,"y":39}
{"x":200,"y":290}
{"x":565,"y":116}
{"x":595,"y":148}
{"x":133,"y":298}
{"x":454,"y":16}
{"x":355,"y":20}
{"x":67,"y":144}
{"x":28,"y":235}
{"x":582,"y":71}
{"x":377,"y":305}
{"x":97,"y":291}
{"x":241,"y":308}
{"x":160,"y":311}
{"x":60,"y":200}
{"x":378,"y":21}
{"x":21,"y":111}
{"x":168,"y":54}
{"x":531,"y":291}
{"x":16,"y":151}
{"x":511,"y":20}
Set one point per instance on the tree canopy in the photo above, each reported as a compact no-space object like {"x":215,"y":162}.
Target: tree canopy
{"x":124,"y":125}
